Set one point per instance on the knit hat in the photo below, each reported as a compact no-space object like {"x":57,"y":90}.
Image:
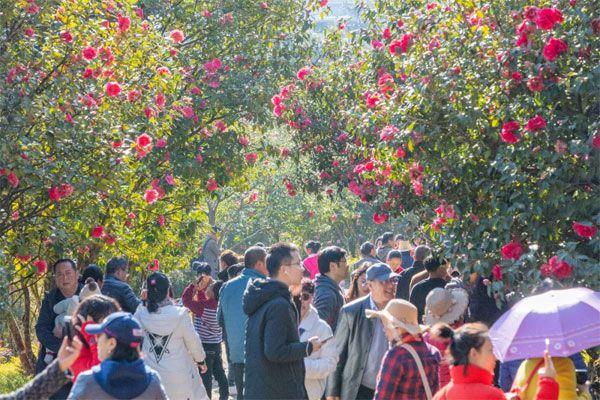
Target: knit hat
{"x":400,"y":314}
{"x":445,"y":305}
{"x":89,"y":289}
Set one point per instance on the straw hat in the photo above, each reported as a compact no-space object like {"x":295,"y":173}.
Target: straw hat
{"x":400,"y":314}
{"x":445,"y":305}
{"x":404,"y":245}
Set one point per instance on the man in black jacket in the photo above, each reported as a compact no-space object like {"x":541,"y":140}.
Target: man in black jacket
{"x":66,"y":278}
{"x":115,"y":284}
{"x":274,"y":354}
{"x":403,"y":288}
{"x":329,"y":299}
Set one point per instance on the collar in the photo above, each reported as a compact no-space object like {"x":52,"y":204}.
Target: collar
{"x":470,"y":374}
{"x":372,"y":303}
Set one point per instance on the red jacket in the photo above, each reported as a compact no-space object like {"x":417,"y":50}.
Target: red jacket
{"x":89,"y":354}
{"x":477,"y":384}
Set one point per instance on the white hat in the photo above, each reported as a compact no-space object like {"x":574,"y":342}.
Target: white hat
{"x":445,"y":305}
{"x":400,"y":314}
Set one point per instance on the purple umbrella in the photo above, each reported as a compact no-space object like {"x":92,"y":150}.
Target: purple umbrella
{"x":570,"y":318}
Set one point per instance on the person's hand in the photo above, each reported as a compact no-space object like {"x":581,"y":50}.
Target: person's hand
{"x":316,"y":343}
{"x":548,"y":369}
{"x":203,"y":282}
{"x":144,"y":295}
{"x":584,"y":389}
{"x":68,"y":352}
{"x":58,"y":332}
{"x":203,"y":367}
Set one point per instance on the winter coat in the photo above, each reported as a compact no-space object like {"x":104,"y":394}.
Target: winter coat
{"x":42,"y":386}
{"x":118,"y":380}
{"x":88,"y":357}
{"x":403,"y":287}
{"x":231,"y":313}
{"x":274,"y":354}
{"x":172,"y":347}
{"x":320,"y":363}
{"x":44,"y":326}
{"x":565,"y":375}
{"x":329,"y":300}
{"x":121,"y":292}
{"x":210,"y":254}
{"x":477,"y":383}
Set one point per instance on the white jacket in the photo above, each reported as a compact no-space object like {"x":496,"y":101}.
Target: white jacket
{"x":322,"y":362}
{"x":172,"y":348}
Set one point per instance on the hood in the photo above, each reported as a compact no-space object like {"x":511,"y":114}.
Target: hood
{"x":321,"y":280}
{"x":261,"y":291}
{"x":123,"y":379}
{"x":310,"y":320}
{"x":162,"y":322}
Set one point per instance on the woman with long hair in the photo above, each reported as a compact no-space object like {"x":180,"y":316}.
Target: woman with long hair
{"x":171,"y":345}
{"x":358,"y":283}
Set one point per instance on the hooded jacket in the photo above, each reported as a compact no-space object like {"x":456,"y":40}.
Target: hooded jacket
{"x":118,"y":380}
{"x":274,"y":354}
{"x":328,"y":300}
{"x":172,"y":348}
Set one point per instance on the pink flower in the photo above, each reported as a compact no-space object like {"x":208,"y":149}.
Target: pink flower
{"x":244,"y":141}
{"x":509,"y":132}
{"x":98,"y":231}
{"x":188,"y":112}
{"x":169,"y":179}
{"x":144,"y":140}
{"x":113,"y":89}
{"x":512,"y":250}
{"x":161,"y":143}
{"x":372,"y":99}
{"x":89,"y":53}
{"x":161,"y":220}
{"x":151,"y":196}
{"x":304,"y":72}
{"x":401,"y":46}
{"x":388,"y":133}
{"x":124,"y":23}
{"x":160,"y":100}
{"x":323,"y":3}
{"x":251,"y":158}
{"x":376,"y":44}
{"x":535,"y":84}
{"x":220,"y":125}
{"x":585,"y":231}
{"x":553,"y":48}
{"x":54,"y":194}
{"x":13,"y":180}
{"x":400,"y":152}
{"x":546,"y":18}
{"x":66,"y":36}
{"x":497,"y":272}
{"x":139,"y":12}
{"x":380,"y":218}
{"x":211,"y":185}
{"x":535,"y":124}
{"x":177,"y":36}
{"x":29,"y":32}
{"x":387,"y":33}
{"x":41,"y":266}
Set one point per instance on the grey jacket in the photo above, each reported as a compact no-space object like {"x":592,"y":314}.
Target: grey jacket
{"x":211,"y":253}
{"x":353,"y":341}
{"x":86,"y":387}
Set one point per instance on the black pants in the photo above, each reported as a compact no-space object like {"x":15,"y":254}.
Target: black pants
{"x":364,"y":393}
{"x":214,"y":364}
{"x":238,"y":370}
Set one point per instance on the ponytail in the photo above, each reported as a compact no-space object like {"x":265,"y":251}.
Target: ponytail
{"x":158,"y":286}
{"x":465,"y":338}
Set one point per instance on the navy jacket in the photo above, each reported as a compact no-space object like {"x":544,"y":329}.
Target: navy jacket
{"x":121,"y":292}
{"x":328,"y":300}
{"x":402,"y":290}
{"x":274,"y":354}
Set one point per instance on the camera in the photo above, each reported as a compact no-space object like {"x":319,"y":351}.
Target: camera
{"x":201,"y":268}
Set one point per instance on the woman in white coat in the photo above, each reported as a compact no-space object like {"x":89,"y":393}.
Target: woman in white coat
{"x":323,"y":361}
{"x":171,"y":345}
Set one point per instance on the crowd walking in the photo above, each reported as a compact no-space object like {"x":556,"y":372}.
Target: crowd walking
{"x":400,"y":323}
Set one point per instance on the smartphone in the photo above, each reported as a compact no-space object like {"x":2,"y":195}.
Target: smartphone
{"x":69,"y":328}
{"x":581,"y":375}
{"x":327,"y":339}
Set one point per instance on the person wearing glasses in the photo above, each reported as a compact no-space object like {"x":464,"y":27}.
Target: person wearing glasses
{"x":115,"y":285}
{"x":329,"y":297}
{"x":274,"y":367}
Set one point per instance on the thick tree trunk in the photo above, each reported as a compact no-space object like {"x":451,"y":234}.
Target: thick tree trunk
{"x":17,"y":338}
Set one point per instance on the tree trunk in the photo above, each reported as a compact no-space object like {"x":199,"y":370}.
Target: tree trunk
{"x":17,"y":338}
{"x":27,"y":325}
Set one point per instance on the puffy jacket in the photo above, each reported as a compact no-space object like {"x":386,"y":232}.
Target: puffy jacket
{"x":274,"y":354}
{"x":329,"y":300}
{"x":172,"y":348}
{"x":121,"y":292}
{"x":231,"y":313}
{"x":322,"y":362}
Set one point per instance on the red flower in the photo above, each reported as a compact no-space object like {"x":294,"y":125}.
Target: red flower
{"x":41,"y":266}
{"x":372,"y":99}
{"x":560,"y":269}
{"x":535,"y":84}
{"x":509,"y":132}
{"x":113,"y":89}
{"x":535,"y":124}
{"x":160,"y":100}
{"x":65,"y":190}
{"x":144,"y":140}
{"x":161,"y":143}
{"x":66,"y":36}
{"x":553,"y":48}
{"x":177,"y":36}
{"x":29,"y":32}
{"x":584,"y":231}
{"x":54,"y":193}
{"x":387,"y":33}
{"x":546,"y":18}
{"x":512,"y":250}
{"x":124,"y":23}
{"x":380,"y":218}
{"x":161,"y":220}
{"x":211,"y":185}
{"x":154,"y":265}
{"x":13,"y":180}
{"x":110,"y":240}
{"x":530,"y":13}
{"x":400,"y":152}
{"x":401,"y":46}
{"x":89,"y":53}
{"x":98,"y":231}
{"x":251,"y":158}
{"x":303,"y":72}
{"x":497,"y":272}
{"x":151,"y":196}
{"x":596,"y":142}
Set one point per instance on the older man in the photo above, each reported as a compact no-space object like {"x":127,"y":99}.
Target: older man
{"x":66,"y":279}
{"x":361,"y":342}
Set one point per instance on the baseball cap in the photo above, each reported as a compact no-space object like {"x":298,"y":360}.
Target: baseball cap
{"x":121,"y":326}
{"x":380,"y":272}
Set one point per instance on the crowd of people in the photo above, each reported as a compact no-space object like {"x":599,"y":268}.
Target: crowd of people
{"x":399,"y":323}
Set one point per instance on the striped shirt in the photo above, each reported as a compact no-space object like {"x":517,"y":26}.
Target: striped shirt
{"x":208,"y":327}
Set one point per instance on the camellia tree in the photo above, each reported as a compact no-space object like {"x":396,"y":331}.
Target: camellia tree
{"x":480,"y":117}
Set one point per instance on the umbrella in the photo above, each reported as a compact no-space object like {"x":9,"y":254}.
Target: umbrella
{"x":570,"y":318}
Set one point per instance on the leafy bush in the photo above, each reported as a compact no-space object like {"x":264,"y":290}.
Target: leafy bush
{"x":11,"y":376}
